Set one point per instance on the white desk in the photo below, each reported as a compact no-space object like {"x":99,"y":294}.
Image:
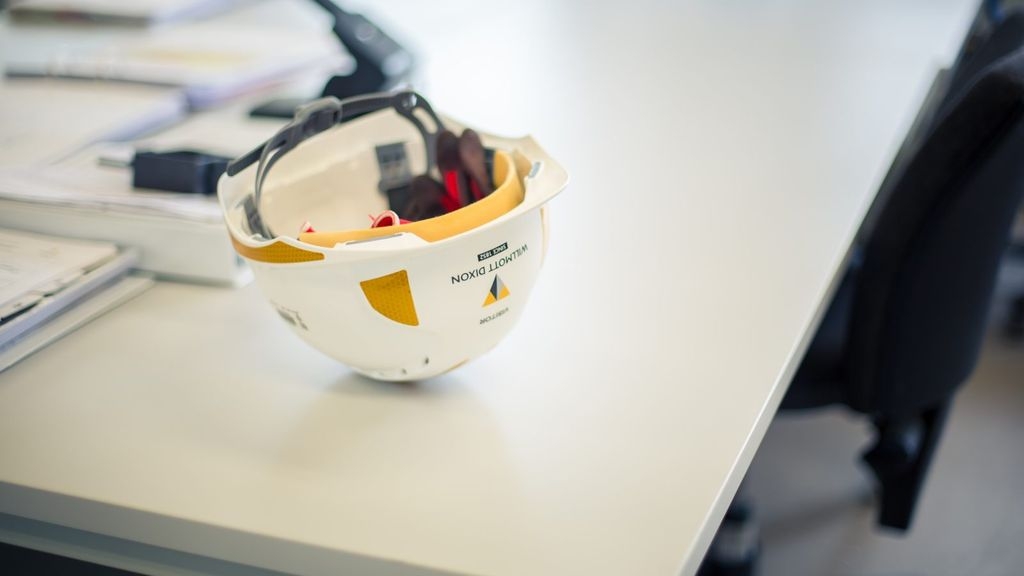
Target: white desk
{"x":722,"y":156}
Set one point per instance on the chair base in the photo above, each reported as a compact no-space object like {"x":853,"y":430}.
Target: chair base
{"x":1015,"y":325}
{"x":900,"y":458}
{"x":737,"y":544}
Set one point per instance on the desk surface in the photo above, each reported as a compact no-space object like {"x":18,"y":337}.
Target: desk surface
{"x":722,"y":157}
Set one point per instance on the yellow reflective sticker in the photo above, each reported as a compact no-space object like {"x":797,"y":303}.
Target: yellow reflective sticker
{"x":391,"y":297}
{"x":276,"y":253}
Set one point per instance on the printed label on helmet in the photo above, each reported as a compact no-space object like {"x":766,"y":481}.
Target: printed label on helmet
{"x":497,"y":292}
{"x":492,"y":252}
{"x":494,"y":316}
{"x":490,"y":266}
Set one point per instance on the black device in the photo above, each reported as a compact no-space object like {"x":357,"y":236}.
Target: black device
{"x":381,"y":62}
{"x":185,"y":171}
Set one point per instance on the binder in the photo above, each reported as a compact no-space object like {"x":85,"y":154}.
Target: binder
{"x":50,"y":329}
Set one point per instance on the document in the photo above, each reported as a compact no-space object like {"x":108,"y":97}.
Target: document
{"x":131,"y":12}
{"x":43,"y":278}
{"x":33,"y":267}
{"x":212,"y":62}
{"x":45,"y":120}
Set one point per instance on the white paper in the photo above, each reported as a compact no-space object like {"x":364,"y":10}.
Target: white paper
{"x":44,"y":120}
{"x":102,"y":188}
{"x":210,"y":61}
{"x":140,"y":12}
{"x":33,"y":266}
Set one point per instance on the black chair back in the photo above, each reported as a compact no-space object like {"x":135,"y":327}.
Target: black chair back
{"x":931,"y":260}
{"x":1007,"y":37}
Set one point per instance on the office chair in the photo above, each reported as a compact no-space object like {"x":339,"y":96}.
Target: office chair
{"x":905,"y":328}
{"x":1006,"y":36}
{"x":1015,"y":322}
{"x":1003,"y":34}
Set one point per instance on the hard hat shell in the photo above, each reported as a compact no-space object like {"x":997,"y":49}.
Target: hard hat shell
{"x":399,"y":303}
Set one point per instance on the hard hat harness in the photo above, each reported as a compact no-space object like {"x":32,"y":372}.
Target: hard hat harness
{"x":319,"y":116}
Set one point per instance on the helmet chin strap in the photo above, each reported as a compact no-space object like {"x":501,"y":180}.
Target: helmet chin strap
{"x":319,"y":116}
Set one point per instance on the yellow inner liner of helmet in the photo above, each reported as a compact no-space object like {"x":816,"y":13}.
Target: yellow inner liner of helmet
{"x":507,"y":195}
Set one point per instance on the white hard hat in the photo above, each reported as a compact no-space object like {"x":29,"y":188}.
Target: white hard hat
{"x":399,"y":302}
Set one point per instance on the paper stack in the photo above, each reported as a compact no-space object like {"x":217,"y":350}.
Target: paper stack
{"x":49,"y":286}
{"x":211,"y":62}
{"x":44,"y":120}
{"x":132,"y":13}
{"x":180,"y":236}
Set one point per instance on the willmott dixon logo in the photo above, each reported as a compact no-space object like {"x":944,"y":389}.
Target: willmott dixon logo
{"x":497,"y":292}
